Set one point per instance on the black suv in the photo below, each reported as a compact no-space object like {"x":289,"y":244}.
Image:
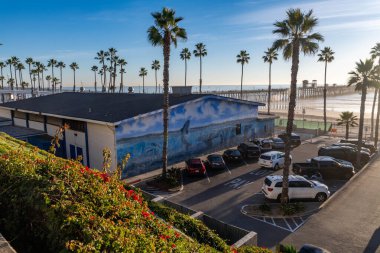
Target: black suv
{"x":344,"y":153}
{"x":264,"y":144}
{"x":248,"y":149}
{"x":295,"y":139}
{"x":364,"y":144}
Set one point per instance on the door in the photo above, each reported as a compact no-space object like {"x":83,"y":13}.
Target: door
{"x":80,"y":153}
{"x":292,"y":190}
{"x":73,"y":153}
{"x":305,"y":190}
{"x":281,"y":160}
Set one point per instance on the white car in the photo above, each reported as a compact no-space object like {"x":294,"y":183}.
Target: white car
{"x":299,"y":188}
{"x":273,"y":160}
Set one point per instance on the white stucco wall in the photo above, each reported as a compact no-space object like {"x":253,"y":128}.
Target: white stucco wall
{"x":51,"y":129}
{"x":36,"y":125}
{"x":78,"y":140}
{"x":20,"y":122}
{"x":5,"y":113}
{"x":100,"y":137}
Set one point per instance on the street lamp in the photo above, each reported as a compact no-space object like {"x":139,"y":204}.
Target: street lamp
{"x":303,"y":117}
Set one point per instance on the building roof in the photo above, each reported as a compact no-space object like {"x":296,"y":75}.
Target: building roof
{"x":101,"y":107}
{"x":20,"y":132}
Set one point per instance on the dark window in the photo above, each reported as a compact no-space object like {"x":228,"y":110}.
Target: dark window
{"x":303,"y":184}
{"x":73,"y":153}
{"x":36,"y":118}
{"x":54,"y":121}
{"x":292,"y":184}
{"x":76,"y":125}
{"x":238,"y":129}
{"x":20,"y":115}
{"x":279,"y":184}
{"x":267,"y":181}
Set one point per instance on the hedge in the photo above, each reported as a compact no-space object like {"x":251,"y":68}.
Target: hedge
{"x":49,"y":204}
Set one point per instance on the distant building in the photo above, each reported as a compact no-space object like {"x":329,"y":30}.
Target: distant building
{"x":132,"y":123}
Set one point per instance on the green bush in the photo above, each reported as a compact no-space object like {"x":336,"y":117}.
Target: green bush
{"x":253,"y":249}
{"x":292,"y":208}
{"x":49,"y":204}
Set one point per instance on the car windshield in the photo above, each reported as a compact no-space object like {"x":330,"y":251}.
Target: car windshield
{"x":266,"y":157}
{"x":216,"y":159}
{"x":267,"y":181}
{"x":277,"y":140}
{"x":235,"y":152}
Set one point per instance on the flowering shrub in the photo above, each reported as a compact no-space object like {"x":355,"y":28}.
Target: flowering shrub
{"x":49,"y":204}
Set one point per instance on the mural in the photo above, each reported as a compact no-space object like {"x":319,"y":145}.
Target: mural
{"x":196,"y":127}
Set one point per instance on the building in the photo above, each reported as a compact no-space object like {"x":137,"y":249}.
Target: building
{"x":132,"y":124}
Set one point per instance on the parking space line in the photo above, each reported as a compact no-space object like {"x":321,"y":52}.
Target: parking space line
{"x":290,"y":228}
{"x":295,"y":222}
{"x":228,"y":169}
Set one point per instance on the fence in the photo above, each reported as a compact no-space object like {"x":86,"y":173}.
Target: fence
{"x":304,"y":124}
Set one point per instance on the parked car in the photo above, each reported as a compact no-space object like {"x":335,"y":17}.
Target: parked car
{"x":277,"y":143}
{"x":352,"y":146}
{"x":249,"y":150}
{"x":232,"y":155}
{"x":344,"y":153}
{"x":264,"y":144}
{"x":215,"y":161}
{"x":309,"y":248}
{"x":364,"y":144}
{"x":299,"y":188}
{"x":195,"y":166}
{"x":325,"y":166}
{"x":295,"y":139}
{"x":272,"y":160}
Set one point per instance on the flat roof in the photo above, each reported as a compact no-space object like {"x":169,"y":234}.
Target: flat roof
{"x":20,"y":132}
{"x":102,"y":107}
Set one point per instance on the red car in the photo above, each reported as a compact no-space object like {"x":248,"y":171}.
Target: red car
{"x":195,"y":166}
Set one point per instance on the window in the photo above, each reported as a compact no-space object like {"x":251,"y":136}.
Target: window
{"x":238,"y":129}
{"x":20,"y":115}
{"x":267,"y":181}
{"x":76,"y":125}
{"x":279,"y":184}
{"x":36,"y":118}
{"x":75,"y":152}
{"x":303,"y":184}
{"x":54,"y":121}
{"x":292,"y":184}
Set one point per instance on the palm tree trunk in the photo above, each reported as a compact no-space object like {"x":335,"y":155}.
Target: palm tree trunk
{"x":121,"y":82}
{"x":269,"y":86}
{"x":43,"y":80}
{"x":114,"y":77}
{"x":156,"y":78}
{"x":16,"y":77}
{"x":361,"y":122}
{"x":373,"y":112}
{"x":74,"y":82}
{"x":324,"y":100}
{"x":185,"y":71}
{"x":31,"y":81}
{"x":39,"y":81}
{"x":165,"y":113}
{"x":52,"y":78}
{"x":347,"y":130}
{"x":2,"y":80}
{"x":289,"y":127}
{"x":241,"y":81}
{"x":60,"y":86}
{"x":200,"y":74}
{"x":143,"y":84}
{"x":95,"y":81}
{"x":104,"y":79}
{"x":377,"y":120}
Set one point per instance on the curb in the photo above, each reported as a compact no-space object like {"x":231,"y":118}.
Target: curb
{"x":349,"y":181}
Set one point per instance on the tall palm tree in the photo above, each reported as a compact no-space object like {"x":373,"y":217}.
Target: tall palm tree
{"x":200,"y":51}
{"x":270,"y":56}
{"x":156,"y":66}
{"x":95,"y":69}
{"x":362,"y":78}
{"x":375,"y":53}
{"x":52,"y":63}
{"x":9,"y":63}
{"x":111,"y":57}
{"x":347,"y":119}
{"x":48,"y":79}
{"x":42,"y":70}
{"x":74,"y":66}
{"x":242,"y":58}
{"x":326,"y":56}
{"x":61,"y":65}
{"x":122,"y":63}
{"x":30,"y":61}
{"x":20,"y":67}
{"x":165,"y":32}
{"x":2,"y":65}
{"x":37,"y":68}
{"x":296,"y":34}
{"x":377,"y":85}
{"x":15,"y":61}
{"x":101,"y":78}
{"x":102,"y":56}
{"x":34,"y":73}
{"x":10,"y":83}
{"x":185,"y":56}
{"x":142,"y":73}
{"x":55,"y":80}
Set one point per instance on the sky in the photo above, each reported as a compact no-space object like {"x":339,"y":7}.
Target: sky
{"x":73,"y":31}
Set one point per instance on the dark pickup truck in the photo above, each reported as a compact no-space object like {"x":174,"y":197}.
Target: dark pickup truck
{"x":325,"y":166}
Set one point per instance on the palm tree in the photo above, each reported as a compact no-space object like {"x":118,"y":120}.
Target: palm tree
{"x":42,"y":70}
{"x":111,"y":57}
{"x":362,"y":78}
{"x":185,"y":56}
{"x":142,"y":73}
{"x":2,"y":65}
{"x":102,"y":56}
{"x":375,"y":53}
{"x":34,"y":72}
{"x":20,"y":67}
{"x":270,"y":56}
{"x":101,"y":78}
{"x":242,"y":58}
{"x":15,"y":61}
{"x":52,"y":63}
{"x":200,"y":51}
{"x":95,"y":69}
{"x":9,"y":63}
{"x":37,"y":68}
{"x":74,"y":66}
{"x":296,"y":35}
{"x":156,"y":66}
{"x":54,"y":81}
{"x":48,"y":79}
{"x":122,"y":63}
{"x":377,"y":85}
{"x":165,"y":32}
{"x":30,"y":61}
{"x":10,"y":83}
{"x":326,"y":56}
{"x":61,"y":65}
{"x":348,"y":120}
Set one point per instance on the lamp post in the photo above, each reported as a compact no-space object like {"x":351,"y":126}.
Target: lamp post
{"x":303,"y":117}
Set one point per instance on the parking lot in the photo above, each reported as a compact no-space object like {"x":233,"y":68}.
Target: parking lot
{"x":222,"y":194}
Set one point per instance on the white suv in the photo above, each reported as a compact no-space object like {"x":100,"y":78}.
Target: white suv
{"x":273,"y":160}
{"x":299,"y":188}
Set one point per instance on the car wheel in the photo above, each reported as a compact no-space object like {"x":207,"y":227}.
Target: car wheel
{"x":276,"y":167}
{"x":321,"y":197}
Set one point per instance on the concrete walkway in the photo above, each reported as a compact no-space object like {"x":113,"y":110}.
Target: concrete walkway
{"x":350,"y":222}
{"x":4,"y":246}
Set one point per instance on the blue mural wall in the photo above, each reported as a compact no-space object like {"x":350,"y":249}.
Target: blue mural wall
{"x":196,"y":127}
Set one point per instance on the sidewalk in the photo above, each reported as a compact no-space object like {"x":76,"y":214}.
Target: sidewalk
{"x":5,"y":247}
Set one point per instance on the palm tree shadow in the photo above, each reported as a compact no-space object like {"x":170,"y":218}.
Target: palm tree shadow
{"x":373,"y":243}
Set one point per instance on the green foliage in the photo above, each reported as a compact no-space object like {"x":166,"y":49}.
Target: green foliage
{"x":48,"y":204}
{"x":253,"y":249}
{"x":286,"y":249}
{"x":292,"y":208}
